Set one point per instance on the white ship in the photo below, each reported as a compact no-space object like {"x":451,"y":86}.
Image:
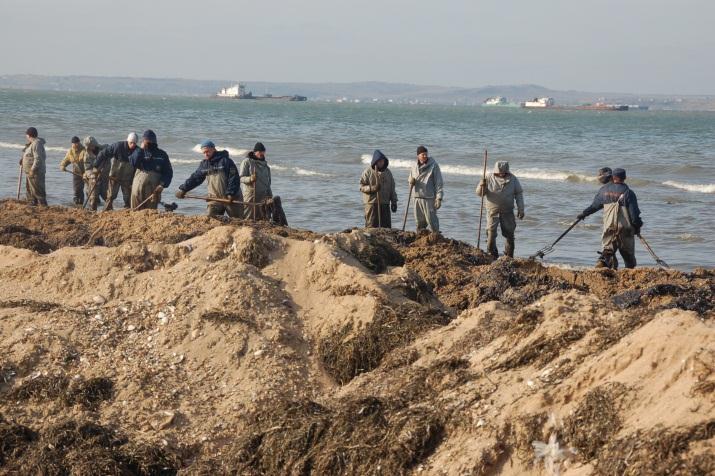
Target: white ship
{"x":238,"y":91}
{"x":495,"y":101}
{"x":539,"y":103}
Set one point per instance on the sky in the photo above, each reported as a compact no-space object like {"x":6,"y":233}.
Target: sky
{"x":638,"y":46}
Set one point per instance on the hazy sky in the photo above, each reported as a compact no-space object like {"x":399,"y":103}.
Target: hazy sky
{"x":646,"y":46}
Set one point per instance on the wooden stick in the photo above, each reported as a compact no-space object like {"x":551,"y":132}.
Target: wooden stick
{"x":221,"y":200}
{"x":19,"y":182}
{"x":481,"y":207}
{"x":407,"y":207}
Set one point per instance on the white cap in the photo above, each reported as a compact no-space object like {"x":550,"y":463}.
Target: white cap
{"x":133,"y":137}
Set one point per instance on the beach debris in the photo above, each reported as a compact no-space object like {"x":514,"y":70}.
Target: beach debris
{"x":99,"y":299}
{"x":552,"y":454}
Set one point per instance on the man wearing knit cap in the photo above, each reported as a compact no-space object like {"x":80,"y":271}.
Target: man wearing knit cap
{"x":501,"y":189}
{"x":153,"y":172}
{"x":221,"y":175}
{"x":621,"y":221}
{"x":121,"y":172}
{"x":256,"y":180}
{"x":73,"y":157}
{"x":33,"y":164}
{"x":426,"y":179}
{"x":378,"y":192}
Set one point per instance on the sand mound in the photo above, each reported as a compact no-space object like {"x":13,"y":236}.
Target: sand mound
{"x":191,"y":345}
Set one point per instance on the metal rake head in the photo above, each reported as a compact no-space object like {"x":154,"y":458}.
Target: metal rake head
{"x":543,"y":252}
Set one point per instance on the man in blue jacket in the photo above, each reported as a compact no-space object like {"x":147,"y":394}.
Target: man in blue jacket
{"x":153,"y":172}
{"x":621,"y":221}
{"x":121,"y":172}
{"x":222,"y":178}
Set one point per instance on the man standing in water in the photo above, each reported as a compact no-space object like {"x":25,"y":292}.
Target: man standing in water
{"x":501,"y":189}
{"x":121,"y":172}
{"x":73,"y":157}
{"x":153,"y":172}
{"x":378,"y":192}
{"x":223,"y":181}
{"x":256,"y":179}
{"x":33,"y":164}
{"x":92,"y":172}
{"x":426,"y":178}
{"x":621,"y":221}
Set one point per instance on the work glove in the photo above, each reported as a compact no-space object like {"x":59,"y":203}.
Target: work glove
{"x":180,"y":193}
{"x":437,"y":203}
{"x":393,"y":207}
{"x":156,"y":192}
{"x":637,"y":230}
{"x":229,"y":198}
{"x":31,"y":173}
{"x":520,"y":214}
{"x":63,"y":168}
{"x":581,"y":216}
{"x":483,"y":183}
{"x":411,"y":180}
{"x":365,"y":189}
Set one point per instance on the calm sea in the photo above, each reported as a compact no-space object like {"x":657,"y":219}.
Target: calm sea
{"x":318,"y":150}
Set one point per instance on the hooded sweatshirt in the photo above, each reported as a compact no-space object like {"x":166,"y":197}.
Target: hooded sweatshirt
{"x":33,"y":156}
{"x":428,"y":179}
{"x":372,"y":177}
{"x":153,"y":159}
{"x":502,"y":192}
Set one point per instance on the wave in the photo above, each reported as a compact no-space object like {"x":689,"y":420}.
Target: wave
{"x":231,"y":151}
{"x":691,"y":238}
{"x":185,"y":161}
{"x":535,"y":174}
{"x":299,"y":171}
{"x":9,"y":145}
{"x":692,"y":187}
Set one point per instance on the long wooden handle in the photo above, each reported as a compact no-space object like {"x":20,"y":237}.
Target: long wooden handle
{"x":19,"y":183}
{"x":481,"y":207}
{"x":407,"y":207}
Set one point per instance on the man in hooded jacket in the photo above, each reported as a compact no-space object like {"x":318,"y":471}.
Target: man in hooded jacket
{"x":223,"y":181}
{"x":621,"y":221}
{"x":256,"y":179}
{"x":73,"y":157}
{"x":121,"y":172}
{"x":33,"y":164}
{"x":92,"y":171}
{"x":426,"y":179}
{"x":501,"y":189}
{"x":378,"y":192}
{"x":153,"y":172}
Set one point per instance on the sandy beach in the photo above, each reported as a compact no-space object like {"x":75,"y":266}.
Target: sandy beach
{"x":156,"y":343}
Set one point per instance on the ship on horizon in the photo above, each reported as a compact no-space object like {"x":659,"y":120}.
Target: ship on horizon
{"x":238,"y":91}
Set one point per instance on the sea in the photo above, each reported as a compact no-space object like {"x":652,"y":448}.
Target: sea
{"x":317,"y":151}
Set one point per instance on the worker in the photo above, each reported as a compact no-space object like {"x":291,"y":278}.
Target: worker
{"x":92,"y":172}
{"x":33,"y":164}
{"x":222,"y":181}
{"x":256,"y":179}
{"x":73,"y":157}
{"x":153,"y":172}
{"x":501,"y":190}
{"x":378,"y":192}
{"x":605,"y":175}
{"x":121,"y":172}
{"x":426,"y":179}
{"x":621,"y":221}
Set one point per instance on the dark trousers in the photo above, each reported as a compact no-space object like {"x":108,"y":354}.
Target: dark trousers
{"x":371,"y":216}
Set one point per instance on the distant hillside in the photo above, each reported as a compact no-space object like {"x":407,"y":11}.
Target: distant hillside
{"x":362,"y":91}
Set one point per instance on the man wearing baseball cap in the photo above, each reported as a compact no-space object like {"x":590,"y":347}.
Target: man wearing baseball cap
{"x":621,"y":221}
{"x":221,"y":175}
{"x":121,"y":172}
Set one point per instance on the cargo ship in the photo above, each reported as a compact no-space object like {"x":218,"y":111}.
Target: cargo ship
{"x":599,"y":106}
{"x":539,"y":103}
{"x":238,"y":91}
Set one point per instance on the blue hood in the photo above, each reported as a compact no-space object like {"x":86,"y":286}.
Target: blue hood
{"x":377,"y":155}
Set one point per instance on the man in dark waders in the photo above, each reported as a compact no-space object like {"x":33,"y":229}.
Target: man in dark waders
{"x":153,"y":172}
{"x":222,"y":178}
{"x":621,"y":220}
{"x":378,"y":192}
